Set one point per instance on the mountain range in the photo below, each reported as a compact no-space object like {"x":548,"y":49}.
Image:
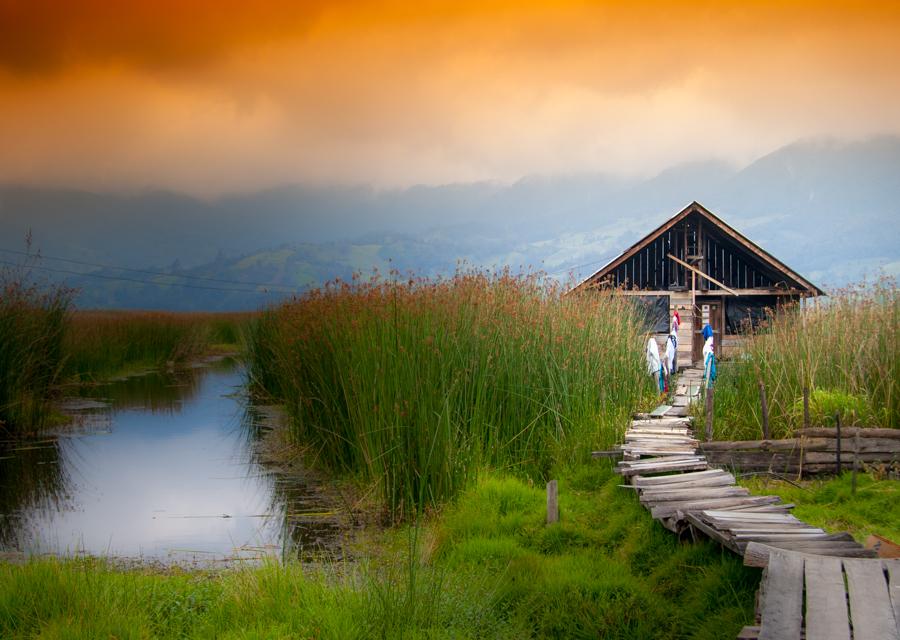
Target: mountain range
{"x":829,"y":209}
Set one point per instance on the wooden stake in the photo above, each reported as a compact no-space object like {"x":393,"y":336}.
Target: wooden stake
{"x":765,"y":410}
{"x":855,"y":460}
{"x":552,"y":503}
{"x":806,"y":407}
{"x":709,"y":413}
{"x":837,"y":421}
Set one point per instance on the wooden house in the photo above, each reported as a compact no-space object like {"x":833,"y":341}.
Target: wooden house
{"x":698,"y":265}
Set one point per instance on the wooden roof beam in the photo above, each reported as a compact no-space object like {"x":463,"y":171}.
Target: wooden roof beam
{"x":701,"y":274}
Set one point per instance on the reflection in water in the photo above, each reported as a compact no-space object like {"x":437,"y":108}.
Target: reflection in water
{"x":309,"y":512}
{"x":168,"y":471}
{"x":30,"y":478}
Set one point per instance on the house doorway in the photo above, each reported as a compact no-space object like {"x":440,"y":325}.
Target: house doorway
{"x":712,"y":311}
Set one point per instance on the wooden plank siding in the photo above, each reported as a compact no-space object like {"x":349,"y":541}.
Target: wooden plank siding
{"x":666,"y":262}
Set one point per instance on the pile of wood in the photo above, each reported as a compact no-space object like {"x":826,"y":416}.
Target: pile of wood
{"x":815,"y":450}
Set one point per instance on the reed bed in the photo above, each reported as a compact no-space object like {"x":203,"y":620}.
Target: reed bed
{"x":44,"y":342}
{"x":417,"y":385}
{"x":32,"y":325}
{"x":846,"y":352}
{"x":99,"y":344}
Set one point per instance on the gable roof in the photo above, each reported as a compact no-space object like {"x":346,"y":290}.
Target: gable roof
{"x":736,"y":236}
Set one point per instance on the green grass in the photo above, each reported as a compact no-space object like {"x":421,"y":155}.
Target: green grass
{"x":419,"y":385}
{"x":485,"y":567}
{"x":831,"y":504}
{"x":847,"y":353}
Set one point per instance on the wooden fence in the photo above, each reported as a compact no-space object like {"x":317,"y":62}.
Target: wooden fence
{"x":814,"y":450}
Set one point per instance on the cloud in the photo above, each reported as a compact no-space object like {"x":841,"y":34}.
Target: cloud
{"x":213,"y":96}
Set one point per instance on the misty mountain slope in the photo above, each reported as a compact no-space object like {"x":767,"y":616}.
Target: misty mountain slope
{"x":830,"y":210}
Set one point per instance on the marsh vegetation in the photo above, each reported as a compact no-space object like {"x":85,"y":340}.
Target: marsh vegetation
{"x":846,"y":352}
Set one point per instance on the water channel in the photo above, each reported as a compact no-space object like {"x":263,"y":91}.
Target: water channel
{"x":164,"y":468}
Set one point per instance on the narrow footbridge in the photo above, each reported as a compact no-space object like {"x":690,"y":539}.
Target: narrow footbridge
{"x":676,"y":484}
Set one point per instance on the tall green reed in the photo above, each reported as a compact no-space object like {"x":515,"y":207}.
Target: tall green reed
{"x":103,"y":343}
{"x":32,"y":325}
{"x":846,"y":352}
{"x":419,"y":384}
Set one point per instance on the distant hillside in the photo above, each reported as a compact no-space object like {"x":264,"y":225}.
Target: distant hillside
{"x":830,"y":210}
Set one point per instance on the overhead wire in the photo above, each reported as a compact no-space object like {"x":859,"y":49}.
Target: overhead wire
{"x":136,"y":280}
{"x":42,"y":256}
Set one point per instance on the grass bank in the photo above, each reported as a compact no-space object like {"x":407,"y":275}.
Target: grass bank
{"x":418,"y":385}
{"x":486,"y":566}
{"x":847,"y":352}
{"x":832,"y":505}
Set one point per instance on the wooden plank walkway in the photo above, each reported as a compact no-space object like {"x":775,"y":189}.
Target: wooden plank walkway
{"x":674,"y":481}
{"x":844,"y":597}
{"x":660,"y":460}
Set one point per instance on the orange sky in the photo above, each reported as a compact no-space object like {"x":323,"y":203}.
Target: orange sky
{"x":216,"y":96}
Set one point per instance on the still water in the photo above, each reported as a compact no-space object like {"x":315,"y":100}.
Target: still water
{"x":163,"y":467}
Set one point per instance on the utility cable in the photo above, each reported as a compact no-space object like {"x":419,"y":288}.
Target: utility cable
{"x":144,"y":271}
{"x":147,"y":282}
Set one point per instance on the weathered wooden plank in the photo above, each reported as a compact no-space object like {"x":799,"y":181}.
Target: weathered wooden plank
{"x":870,"y":602}
{"x":682,"y":449}
{"x":719,"y":536}
{"x":826,"y":601}
{"x":664,"y":421}
{"x":658,"y":434}
{"x":660,"y":410}
{"x":552,"y":502}
{"x":893,"y":569}
{"x":656,"y":431}
{"x":683,"y":466}
{"x":824,"y":432}
{"x":668,"y":508}
{"x":741,"y":533}
{"x":762,"y":446}
{"x":768,"y":508}
{"x":772,"y":536}
{"x":758,"y":517}
{"x":682,"y":435}
{"x":649,"y":462}
{"x":782,"y":608}
{"x":657,"y":451}
{"x":748,"y":633}
{"x":693,"y":494}
{"x":681,"y":477}
{"x":825,"y":548}
{"x":724,"y":480}
{"x":660,"y":461}
{"x":839,"y":537}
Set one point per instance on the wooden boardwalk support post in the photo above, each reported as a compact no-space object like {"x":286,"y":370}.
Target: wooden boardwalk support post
{"x":552,"y":503}
{"x":806,"y":407}
{"x":709,"y":414}
{"x":837,"y":443}
{"x":765,"y":410}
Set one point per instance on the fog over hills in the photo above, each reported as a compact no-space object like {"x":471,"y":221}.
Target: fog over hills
{"x":829,"y":209}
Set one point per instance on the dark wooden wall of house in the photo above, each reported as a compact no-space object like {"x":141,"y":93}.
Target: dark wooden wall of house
{"x":722,"y":258}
